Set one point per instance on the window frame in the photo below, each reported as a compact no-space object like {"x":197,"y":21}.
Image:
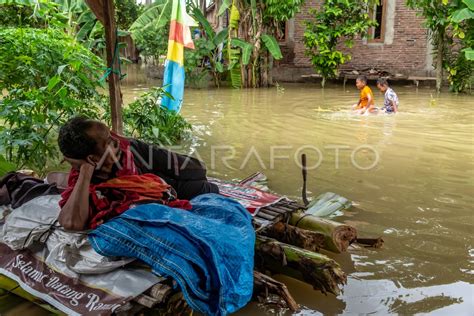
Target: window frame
{"x":373,"y":16}
{"x":285,"y":40}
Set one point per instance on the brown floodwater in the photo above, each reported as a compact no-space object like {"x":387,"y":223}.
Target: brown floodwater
{"x":410,"y":176}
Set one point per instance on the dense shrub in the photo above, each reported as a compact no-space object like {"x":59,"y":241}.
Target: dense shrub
{"x":46,"y":78}
{"x":146,"y":120}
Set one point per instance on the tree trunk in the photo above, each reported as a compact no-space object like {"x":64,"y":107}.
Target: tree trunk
{"x":264,"y":285}
{"x":337,"y":236}
{"x":302,"y":238}
{"x":316,"y":269}
{"x":371,"y":242}
{"x":264,"y":71}
{"x":439,"y":61}
{"x":270,"y":68}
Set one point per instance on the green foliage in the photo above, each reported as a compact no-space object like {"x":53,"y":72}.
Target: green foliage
{"x":245,"y":47}
{"x":31,"y":13}
{"x":13,"y":15}
{"x":5,"y":166}
{"x":196,"y":64}
{"x":146,"y":120}
{"x":460,"y":72}
{"x":152,"y":42}
{"x":234,"y":17}
{"x":205,"y":59}
{"x":156,"y":15}
{"x":336,"y":21}
{"x":252,"y":45}
{"x":126,"y":12}
{"x":150,"y":31}
{"x":47,"y":77}
{"x":234,"y":54}
{"x":459,"y":62}
{"x":451,"y":23}
{"x":272,"y":45}
{"x":224,"y":6}
{"x":281,"y":10}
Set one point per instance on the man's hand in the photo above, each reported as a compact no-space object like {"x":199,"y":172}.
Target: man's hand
{"x":78,"y":163}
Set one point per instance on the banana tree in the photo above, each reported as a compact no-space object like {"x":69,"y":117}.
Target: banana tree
{"x":251,"y":46}
{"x":214,"y":42}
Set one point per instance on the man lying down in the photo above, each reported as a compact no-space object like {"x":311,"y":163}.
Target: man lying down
{"x":98,"y":155}
{"x":157,"y":206}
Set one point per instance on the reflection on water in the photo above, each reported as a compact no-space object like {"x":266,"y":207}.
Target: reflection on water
{"x":418,"y":196}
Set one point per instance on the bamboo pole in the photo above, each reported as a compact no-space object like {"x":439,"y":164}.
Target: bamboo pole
{"x":104,"y":10}
{"x":115,"y":94}
{"x":316,"y":269}
{"x":338,"y":236}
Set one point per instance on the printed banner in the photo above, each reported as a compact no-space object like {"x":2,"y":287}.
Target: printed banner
{"x":251,"y":198}
{"x":67,"y":294}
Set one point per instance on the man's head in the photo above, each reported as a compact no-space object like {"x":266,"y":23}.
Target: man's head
{"x":361,"y":82}
{"x":382,"y":84}
{"x":89,"y":141}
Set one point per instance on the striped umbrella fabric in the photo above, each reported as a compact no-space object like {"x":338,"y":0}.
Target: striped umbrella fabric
{"x":179,"y":38}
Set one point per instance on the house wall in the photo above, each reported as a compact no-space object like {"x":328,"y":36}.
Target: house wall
{"x":405,"y":50}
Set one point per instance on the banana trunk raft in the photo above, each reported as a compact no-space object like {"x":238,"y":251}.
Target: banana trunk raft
{"x":289,"y":238}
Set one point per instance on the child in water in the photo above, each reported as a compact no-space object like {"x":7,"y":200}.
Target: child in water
{"x":390,"y":103}
{"x":366,"y":101}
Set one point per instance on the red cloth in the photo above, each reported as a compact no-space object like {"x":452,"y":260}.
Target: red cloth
{"x":115,"y":196}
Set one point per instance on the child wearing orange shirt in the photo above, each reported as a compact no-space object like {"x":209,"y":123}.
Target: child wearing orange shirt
{"x":366,"y":102}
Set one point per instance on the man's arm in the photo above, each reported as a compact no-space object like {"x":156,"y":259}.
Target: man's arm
{"x":167,"y":164}
{"x":369,"y":106}
{"x":74,"y":214}
{"x":394,"y":106}
{"x":355,"y":106}
{"x":369,"y":101}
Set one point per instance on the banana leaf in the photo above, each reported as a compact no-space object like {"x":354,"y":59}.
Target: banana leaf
{"x":236,"y":77}
{"x":272,"y":45}
{"x":234,"y":17}
{"x":328,"y":204}
{"x":245,"y":47}
{"x":224,"y":6}
{"x":197,"y":14}
{"x":221,"y":37}
{"x":158,"y":15}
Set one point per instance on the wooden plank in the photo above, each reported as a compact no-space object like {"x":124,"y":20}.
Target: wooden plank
{"x":146,"y":300}
{"x":278,"y":209}
{"x":263,"y":215}
{"x":422,"y":78}
{"x":267,"y":210}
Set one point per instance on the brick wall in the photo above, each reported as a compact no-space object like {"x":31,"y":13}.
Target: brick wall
{"x":407,"y":54}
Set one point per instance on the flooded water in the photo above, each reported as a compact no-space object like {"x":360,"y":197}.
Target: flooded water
{"x":410,"y":175}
